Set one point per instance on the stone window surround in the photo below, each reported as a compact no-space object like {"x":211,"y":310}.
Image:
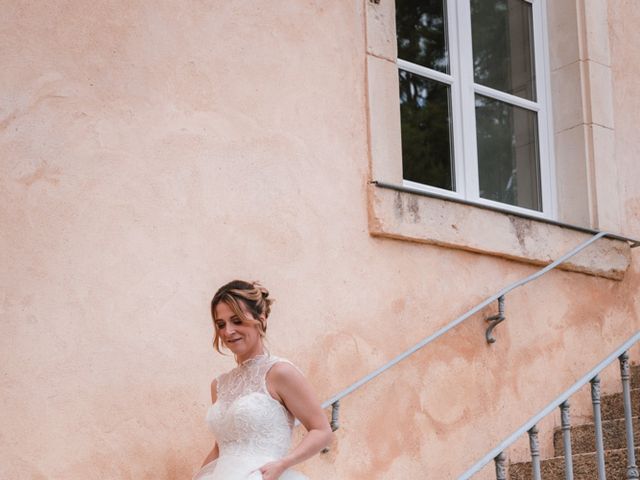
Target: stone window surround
{"x":582,"y":104}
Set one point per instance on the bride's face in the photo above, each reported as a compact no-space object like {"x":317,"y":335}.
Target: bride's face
{"x":242,"y":338}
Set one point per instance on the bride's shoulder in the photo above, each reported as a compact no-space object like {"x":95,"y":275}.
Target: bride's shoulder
{"x":220,"y":383}
{"x":283,"y":370}
{"x":281,"y":363}
{"x":287,"y":384}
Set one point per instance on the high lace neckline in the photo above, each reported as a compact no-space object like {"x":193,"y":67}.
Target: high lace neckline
{"x":254,"y":360}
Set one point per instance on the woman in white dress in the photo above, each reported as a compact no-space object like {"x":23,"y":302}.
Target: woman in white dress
{"x":254,"y":405}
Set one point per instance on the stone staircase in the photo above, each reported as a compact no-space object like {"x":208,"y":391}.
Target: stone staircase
{"x":583,"y":442}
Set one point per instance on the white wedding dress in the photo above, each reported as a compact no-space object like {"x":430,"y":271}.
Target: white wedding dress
{"x":250,"y":426}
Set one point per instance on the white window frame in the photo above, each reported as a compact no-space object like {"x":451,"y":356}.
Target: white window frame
{"x":463,"y":121}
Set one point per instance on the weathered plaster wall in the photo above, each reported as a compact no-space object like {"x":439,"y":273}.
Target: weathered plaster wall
{"x":151,"y":151}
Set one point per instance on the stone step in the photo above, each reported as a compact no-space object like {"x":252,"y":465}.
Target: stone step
{"x":635,"y":376}
{"x":634,"y":379}
{"x":613,"y":406}
{"x":583,"y":437}
{"x":584,"y":467}
{"x":583,"y":442}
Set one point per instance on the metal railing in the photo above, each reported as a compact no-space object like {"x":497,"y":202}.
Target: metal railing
{"x":530,"y":426}
{"x":334,"y":401}
{"x":493,"y":320}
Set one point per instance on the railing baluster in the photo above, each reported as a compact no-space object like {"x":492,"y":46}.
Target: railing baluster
{"x":534,"y":446}
{"x":566,"y":440}
{"x":501,"y":467}
{"x":597,"y":421}
{"x":632,"y":469}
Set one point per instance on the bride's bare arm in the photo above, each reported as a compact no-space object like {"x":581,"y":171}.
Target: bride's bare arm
{"x":214,"y":453}
{"x":292,"y":389}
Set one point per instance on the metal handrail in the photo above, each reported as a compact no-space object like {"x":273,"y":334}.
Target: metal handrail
{"x":424,"y":342}
{"x":550,"y":407}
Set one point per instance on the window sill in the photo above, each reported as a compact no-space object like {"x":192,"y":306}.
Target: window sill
{"x":425,"y":219}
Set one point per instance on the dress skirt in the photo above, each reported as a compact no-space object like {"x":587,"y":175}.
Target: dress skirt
{"x":241,"y":467}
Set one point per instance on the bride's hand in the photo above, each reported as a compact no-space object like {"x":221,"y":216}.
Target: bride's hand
{"x":272,"y":470}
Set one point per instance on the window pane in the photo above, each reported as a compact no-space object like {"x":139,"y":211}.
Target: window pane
{"x":502,"y":36}
{"x":426,"y":131}
{"x":422,"y":33}
{"x":508,"y":158}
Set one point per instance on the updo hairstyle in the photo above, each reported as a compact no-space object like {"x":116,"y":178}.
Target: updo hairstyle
{"x":253,"y":296}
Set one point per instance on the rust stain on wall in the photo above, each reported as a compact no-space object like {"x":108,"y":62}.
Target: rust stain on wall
{"x":393,"y":428}
{"x":44,"y":173}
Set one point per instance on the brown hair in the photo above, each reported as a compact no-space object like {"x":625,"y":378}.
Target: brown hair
{"x":252,"y":295}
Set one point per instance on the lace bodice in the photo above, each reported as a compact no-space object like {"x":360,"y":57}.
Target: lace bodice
{"x":245,"y":418}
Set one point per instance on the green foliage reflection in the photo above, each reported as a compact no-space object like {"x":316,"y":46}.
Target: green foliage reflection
{"x":426,"y":137}
{"x":422,"y":33}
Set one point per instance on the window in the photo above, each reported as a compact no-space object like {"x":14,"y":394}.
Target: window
{"x":473,"y":96}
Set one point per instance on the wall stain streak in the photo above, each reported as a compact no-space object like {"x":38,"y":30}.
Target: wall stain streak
{"x":44,"y":173}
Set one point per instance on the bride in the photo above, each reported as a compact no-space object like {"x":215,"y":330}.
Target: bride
{"x":254,"y":405}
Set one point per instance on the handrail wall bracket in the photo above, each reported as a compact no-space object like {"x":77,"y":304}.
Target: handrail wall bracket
{"x":494,"y":320}
{"x":335,"y":423}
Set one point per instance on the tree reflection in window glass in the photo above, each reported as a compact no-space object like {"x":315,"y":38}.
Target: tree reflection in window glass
{"x":422,"y":33}
{"x":502,"y":38}
{"x":508,"y":157}
{"x":426,"y":131}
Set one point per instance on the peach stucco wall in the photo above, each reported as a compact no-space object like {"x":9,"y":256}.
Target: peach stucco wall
{"x":150,"y":151}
